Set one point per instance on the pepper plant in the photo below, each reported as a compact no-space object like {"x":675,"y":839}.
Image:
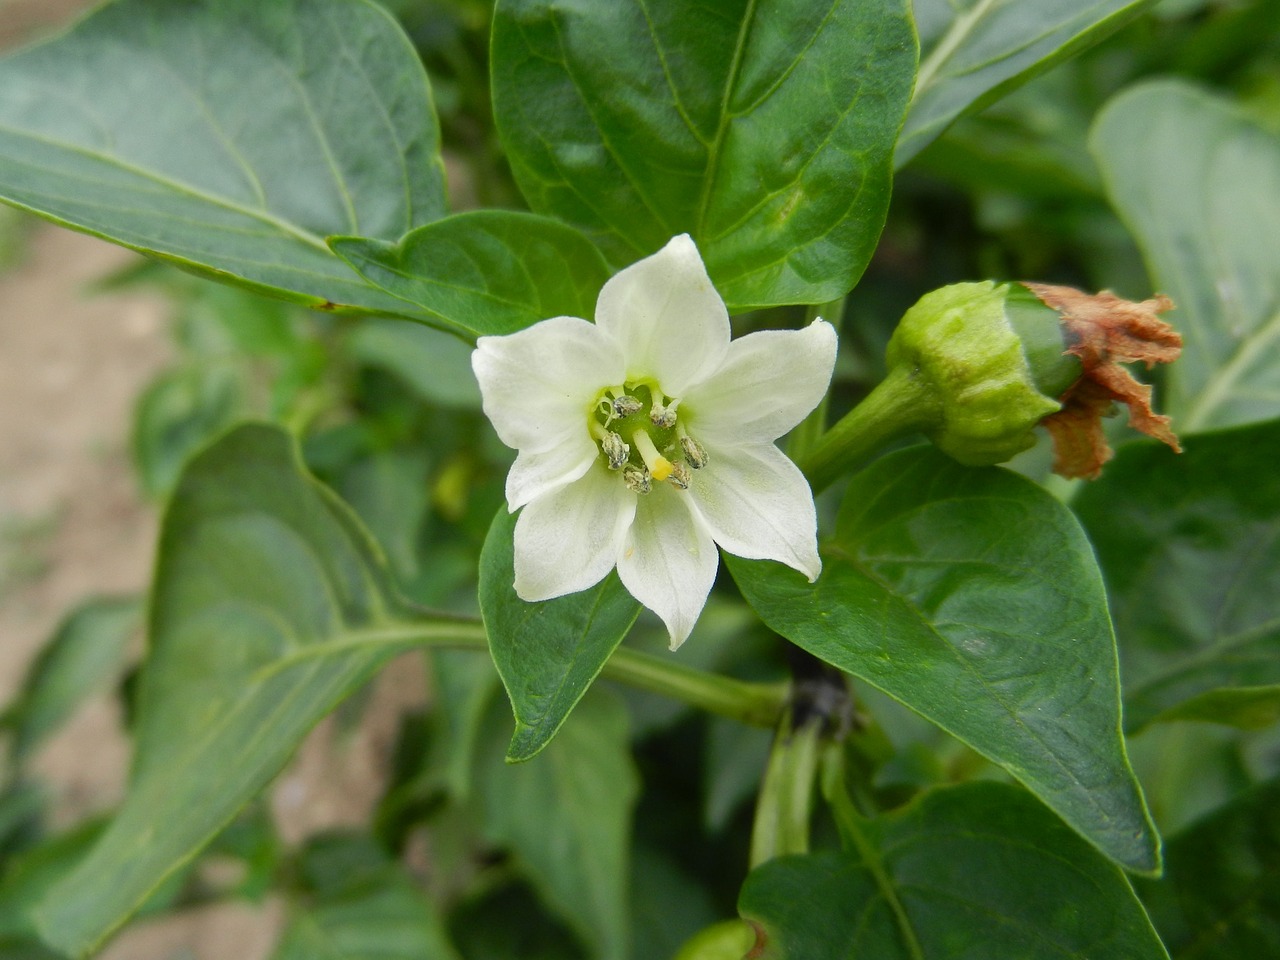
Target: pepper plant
{"x":901,"y":717}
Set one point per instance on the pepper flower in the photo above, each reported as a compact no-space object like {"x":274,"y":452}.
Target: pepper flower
{"x":646,"y":438}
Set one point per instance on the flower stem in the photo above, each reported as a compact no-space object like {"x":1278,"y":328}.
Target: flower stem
{"x":756,"y":704}
{"x":900,"y":405}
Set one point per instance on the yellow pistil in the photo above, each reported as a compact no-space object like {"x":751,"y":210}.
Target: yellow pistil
{"x":659,"y":466}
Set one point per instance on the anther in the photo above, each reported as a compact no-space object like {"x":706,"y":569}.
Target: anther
{"x":679,"y":476}
{"x":663,"y":416}
{"x":625,"y":405}
{"x":636,"y":479}
{"x":616,"y":450}
{"x":694,"y":452}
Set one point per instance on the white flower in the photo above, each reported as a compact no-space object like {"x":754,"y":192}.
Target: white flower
{"x":646,"y":438}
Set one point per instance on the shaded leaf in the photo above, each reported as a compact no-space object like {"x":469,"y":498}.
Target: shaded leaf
{"x":265,"y":613}
{"x":764,"y":130}
{"x":1199,"y":186}
{"x":975,"y":52}
{"x":972,"y":596}
{"x":484,"y":271}
{"x":229,"y":137}
{"x":1220,"y":896}
{"x":547,"y":653}
{"x":1190,"y":547}
{"x":436,"y":365}
{"x":566,"y":814}
{"x":964,"y":873}
{"x":367,"y":906}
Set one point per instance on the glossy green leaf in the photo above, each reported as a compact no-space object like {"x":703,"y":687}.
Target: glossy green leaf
{"x":974,"y":52}
{"x":1190,"y":546}
{"x":566,"y":814}
{"x":547,"y":653}
{"x":229,"y":137}
{"x":86,"y":653}
{"x":484,"y":271}
{"x":965,"y":873}
{"x":764,"y":130}
{"x":972,"y":596}
{"x":1220,"y":896}
{"x":1199,"y":186}
{"x":266,"y":611}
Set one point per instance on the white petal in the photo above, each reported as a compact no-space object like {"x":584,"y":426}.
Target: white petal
{"x":767,"y":384}
{"x":757,"y":504}
{"x":536,"y":474}
{"x":669,"y":560}
{"x":569,"y":539}
{"x":539,"y":383}
{"x":671,"y":323}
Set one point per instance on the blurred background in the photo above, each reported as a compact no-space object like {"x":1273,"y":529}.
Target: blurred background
{"x":113,"y":369}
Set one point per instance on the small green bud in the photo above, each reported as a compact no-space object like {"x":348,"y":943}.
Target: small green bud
{"x":991,"y":357}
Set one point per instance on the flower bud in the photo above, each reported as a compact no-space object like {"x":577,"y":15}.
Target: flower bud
{"x":962,"y":345}
{"x":976,"y":367}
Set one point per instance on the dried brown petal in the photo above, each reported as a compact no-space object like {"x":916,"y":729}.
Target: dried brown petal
{"x":1103,"y":331}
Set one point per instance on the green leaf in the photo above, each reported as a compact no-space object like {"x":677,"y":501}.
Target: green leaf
{"x":366,"y":907}
{"x":1190,"y":546}
{"x":178,"y":413}
{"x":388,"y":491}
{"x":567,"y":816}
{"x":973,"y":53}
{"x":547,"y":653}
{"x":435,"y":365}
{"x":963,"y":873}
{"x":972,"y":596}
{"x":86,"y":653}
{"x":464,"y":684}
{"x":229,"y":137}
{"x":265,"y":613}
{"x":1220,"y":896}
{"x":484,"y":271}
{"x":1199,"y":186}
{"x":764,"y":130}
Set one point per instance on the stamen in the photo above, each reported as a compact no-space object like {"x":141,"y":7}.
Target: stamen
{"x":625,"y":405}
{"x":663,"y":416}
{"x":616,"y":449}
{"x":636,"y":479}
{"x":659,"y":466}
{"x":694,"y":452}
{"x":679,"y":476}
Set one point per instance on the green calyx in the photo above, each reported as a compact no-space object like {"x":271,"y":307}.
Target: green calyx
{"x":990,"y":357}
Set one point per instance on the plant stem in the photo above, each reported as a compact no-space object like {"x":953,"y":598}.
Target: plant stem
{"x":756,"y":704}
{"x":900,"y":405}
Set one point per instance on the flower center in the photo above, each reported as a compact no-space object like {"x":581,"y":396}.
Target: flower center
{"x":639,"y":433}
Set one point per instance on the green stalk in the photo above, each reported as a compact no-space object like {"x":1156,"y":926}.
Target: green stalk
{"x":756,"y":704}
{"x":900,"y":405}
{"x":807,"y":433}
